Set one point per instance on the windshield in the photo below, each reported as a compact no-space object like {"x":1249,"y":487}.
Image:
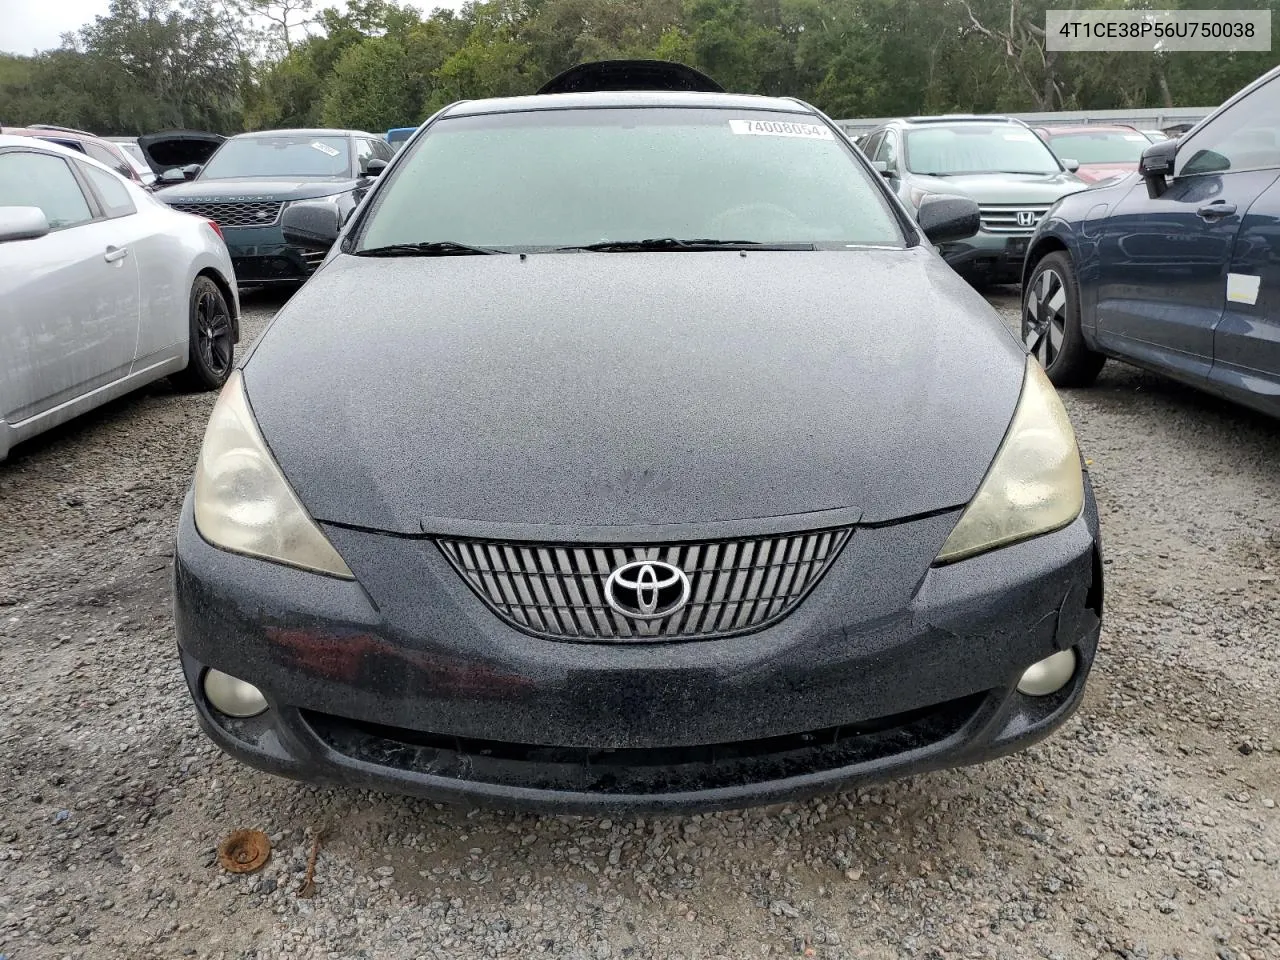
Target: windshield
{"x":1109,"y":146}
{"x":977,"y":148}
{"x":561,"y":178}
{"x":293,"y":156}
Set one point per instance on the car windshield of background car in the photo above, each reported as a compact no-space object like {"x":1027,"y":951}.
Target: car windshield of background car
{"x":280,"y":157}
{"x":977,"y":148}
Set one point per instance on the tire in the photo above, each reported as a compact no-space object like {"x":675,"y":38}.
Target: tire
{"x":211,"y":341}
{"x":1051,"y":323}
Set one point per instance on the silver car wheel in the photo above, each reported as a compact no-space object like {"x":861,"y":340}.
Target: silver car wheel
{"x":1044,"y":316}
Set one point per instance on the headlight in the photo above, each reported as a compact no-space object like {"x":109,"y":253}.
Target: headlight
{"x":243,"y":503}
{"x":1034,"y":485}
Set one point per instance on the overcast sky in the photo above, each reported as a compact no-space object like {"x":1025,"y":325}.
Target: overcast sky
{"x":30,"y":25}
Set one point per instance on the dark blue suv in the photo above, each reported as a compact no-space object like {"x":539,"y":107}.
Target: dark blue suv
{"x":1176,"y":267}
{"x":247,"y":184}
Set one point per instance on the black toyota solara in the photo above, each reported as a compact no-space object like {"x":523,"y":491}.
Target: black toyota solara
{"x":634,"y":451}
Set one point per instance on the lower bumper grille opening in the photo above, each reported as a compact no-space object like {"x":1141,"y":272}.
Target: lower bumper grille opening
{"x":647,"y":770}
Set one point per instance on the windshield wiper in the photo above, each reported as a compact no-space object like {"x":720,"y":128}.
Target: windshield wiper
{"x":671,"y":243}
{"x":432,"y":248}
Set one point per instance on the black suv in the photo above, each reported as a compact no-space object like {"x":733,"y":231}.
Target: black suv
{"x":252,"y":177}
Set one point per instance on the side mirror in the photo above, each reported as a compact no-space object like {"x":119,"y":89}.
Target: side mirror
{"x":882,"y":168}
{"x":375,"y":167}
{"x":173,"y":175}
{"x":313,"y":225}
{"x":943,"y":219}
{"x":192,"y":170}
{"x":1071,"y":165}
{"x":22,"y":223}
{"x":1156,"y":163}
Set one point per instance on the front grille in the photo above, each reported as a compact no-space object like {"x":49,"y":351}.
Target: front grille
{"x":313,"y":258}
{"x":558,"y":591}
{"x":644,"y":771}
{"x":1003,"y":217}
{"x":249,"y":213}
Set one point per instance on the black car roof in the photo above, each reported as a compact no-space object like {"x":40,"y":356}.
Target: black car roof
{"x":606,"y":75}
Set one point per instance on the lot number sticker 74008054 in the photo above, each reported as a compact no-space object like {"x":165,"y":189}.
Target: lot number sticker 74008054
{"x":780,"y":128}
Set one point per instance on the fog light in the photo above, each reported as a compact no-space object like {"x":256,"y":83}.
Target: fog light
{"x":234,"y":697}
{"x":1049,"y":675}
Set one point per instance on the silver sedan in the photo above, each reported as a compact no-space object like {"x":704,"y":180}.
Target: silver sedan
{"x":102,"y":290}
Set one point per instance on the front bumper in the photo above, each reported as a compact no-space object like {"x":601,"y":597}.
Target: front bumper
{"x":261,"y":257}
{"x":422,"y":690}
{"x":989,"y":257}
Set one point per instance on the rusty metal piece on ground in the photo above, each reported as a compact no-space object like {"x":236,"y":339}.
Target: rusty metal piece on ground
{"x":244,"y":851}
{"x":308,"y":887}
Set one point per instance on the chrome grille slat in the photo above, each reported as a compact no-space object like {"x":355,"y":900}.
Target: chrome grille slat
{"x":234,"y":213}
{"x":557,"y":591}
{"x":1003,"y":217}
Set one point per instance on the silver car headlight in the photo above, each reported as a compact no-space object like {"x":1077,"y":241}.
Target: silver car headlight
{"x":244,"y":504}
{"x":1035,"y":484}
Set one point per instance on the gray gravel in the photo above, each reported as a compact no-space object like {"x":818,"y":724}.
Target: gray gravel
{"x":1147,"y":828}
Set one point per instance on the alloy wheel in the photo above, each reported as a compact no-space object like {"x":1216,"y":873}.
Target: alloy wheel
{"x":213,"y":333}
{"x":1044,"y":316}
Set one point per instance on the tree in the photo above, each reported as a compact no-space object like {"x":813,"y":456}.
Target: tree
{"x":284,"y":20}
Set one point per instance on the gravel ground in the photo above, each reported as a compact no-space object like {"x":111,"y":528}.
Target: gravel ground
{"x":1147,"y":828}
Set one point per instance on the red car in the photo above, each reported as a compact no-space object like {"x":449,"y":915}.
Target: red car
{"x":87,"y":143}
{"x":1102,"y":151}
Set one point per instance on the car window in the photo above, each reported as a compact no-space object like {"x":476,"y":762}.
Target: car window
{"x":111,"y":190}
{"x":383,"y":150}
{"x":548,"y":178}
{"x":107,"y":158}
{"x":872,"y":144}
{"x":44,"y":181}
{"x":977,"y":148}
{"x":364,"y":153}
{"x":888,"y":152}
{"x":285,"y":156}
{"x":1100,"y":146}
{"x":1243,"y":137}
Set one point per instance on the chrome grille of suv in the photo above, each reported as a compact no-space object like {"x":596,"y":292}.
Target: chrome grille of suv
{"x":1003,"y":217}
{"x":558,"y":591}
{"x":251,"y":213}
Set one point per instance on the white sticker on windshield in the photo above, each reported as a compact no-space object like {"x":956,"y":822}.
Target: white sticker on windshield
{"x":324,"y":148}
{"x":780,"y":128}
{"x":1022,"y":137}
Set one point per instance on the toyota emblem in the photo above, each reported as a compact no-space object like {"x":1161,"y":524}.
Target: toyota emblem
{"x":647,"y":589}
{"x":1026,"y":218}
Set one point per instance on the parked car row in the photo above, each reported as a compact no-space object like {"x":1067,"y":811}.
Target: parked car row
{"x":1133,"y":244}
{"x":423,"y":489}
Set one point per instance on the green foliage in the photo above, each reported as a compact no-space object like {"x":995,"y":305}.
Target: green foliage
{"x":253,"y":64}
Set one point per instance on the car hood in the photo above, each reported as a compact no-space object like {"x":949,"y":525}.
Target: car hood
{"x":625,"y":390}
{"x":202,"y":191}
{"x":1004,"y":187}
{"x":178,"y":148}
